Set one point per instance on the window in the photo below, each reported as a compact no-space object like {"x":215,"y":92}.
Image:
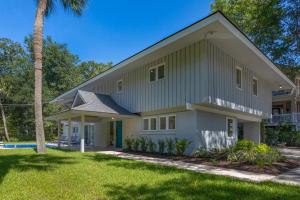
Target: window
{"x":230,"y":127}
{"x":238,"y":78}
{"x":153,"y":124}
{"x":75,"y":129}
{"x":254,"y":86}
{"x":157,"y":73}
{"x":152,"y":74}
{"x":172,"y":122}
{"x":161,"y":72}
{"x":120,"y":85}
{"x":163,"y":123}
{"x":146,"y":124}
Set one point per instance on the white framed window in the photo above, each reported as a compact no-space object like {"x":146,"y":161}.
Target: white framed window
{"x":153,"y":125}
{"x":75,"y":129}
{"x":254,"y":86}
{"x":230,"y":127}
{"x":172,"y":122}
{"x":157,"y":72}
{"x":120,"y":85}
{"x":146,"y":124}
{"x":238,"y":77}
{"x":163,"y":123}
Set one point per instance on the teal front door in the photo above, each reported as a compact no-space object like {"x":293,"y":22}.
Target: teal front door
{"x":119,"y":134}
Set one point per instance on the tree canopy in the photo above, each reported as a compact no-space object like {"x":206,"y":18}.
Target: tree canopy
{"x":273,"y":25}
{"x":62,"y":71}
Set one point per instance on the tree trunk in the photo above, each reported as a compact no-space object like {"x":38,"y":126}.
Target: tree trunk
{"x":4,"y":121}
{"x":38,"y":63}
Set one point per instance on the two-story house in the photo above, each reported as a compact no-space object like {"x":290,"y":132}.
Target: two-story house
{"x":200,"y":83}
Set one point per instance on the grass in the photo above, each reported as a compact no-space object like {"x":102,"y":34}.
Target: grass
{"x":72,"y":175}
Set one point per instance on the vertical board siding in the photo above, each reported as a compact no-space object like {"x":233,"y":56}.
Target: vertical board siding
{"x":199,"y":73}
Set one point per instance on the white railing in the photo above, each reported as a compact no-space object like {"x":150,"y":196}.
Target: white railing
{"x":285,"y":118}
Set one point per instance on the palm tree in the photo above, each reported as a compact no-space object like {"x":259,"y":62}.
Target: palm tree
{"x":44,"y":8}
{"x":3,"y":116}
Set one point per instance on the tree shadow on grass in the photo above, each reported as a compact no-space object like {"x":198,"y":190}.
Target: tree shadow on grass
{"x":26,"y":162}
{"x":131,"y":164}
{"x":201,"y":186}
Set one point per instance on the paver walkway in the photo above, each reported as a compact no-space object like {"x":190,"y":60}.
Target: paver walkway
{"x":292,"y":176}
{"x":194,"y":167}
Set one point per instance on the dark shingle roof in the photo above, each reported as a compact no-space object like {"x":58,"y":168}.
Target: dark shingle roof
{"x":99,"y":103}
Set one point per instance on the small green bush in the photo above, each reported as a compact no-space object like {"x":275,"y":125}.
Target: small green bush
{"x":143,"y":144}
{"x":259,"y":154}
{"x":128,"y":143}
{"x":181,"y":146}
{"x":170,"y":146}
{"x":151,"y":145}
{"x":136,"y":144}
{"x":161,"y":146}
{"x":215,"y":153}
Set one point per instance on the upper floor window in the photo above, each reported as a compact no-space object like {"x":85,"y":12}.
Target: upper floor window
{"x":254,"y":86}
{"x":156,"y":73}
{"x":238,"y":77}
{"x":120,"y":85}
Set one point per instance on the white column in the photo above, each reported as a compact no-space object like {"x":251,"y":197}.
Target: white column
{"x":69,"y":131}
{"x":82,"y":134}
{"x":58,"y":133}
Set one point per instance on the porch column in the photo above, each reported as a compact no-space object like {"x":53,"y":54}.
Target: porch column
{"x":69,"y":131}
{"x":82,"y":134}
{"x":252,"y":131}
{"x":58,"y":133}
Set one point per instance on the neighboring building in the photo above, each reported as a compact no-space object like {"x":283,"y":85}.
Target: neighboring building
{"x":286,"y":107}
{"x":200,"y":83}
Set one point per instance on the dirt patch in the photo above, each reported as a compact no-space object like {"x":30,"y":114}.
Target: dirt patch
{"x":276,"y":169}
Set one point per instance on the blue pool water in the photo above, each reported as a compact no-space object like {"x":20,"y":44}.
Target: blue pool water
{"x":21,"y":146}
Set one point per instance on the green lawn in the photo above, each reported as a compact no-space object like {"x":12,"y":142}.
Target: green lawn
{"x":71,"y":175}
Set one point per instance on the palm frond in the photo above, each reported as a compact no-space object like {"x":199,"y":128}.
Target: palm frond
{"x":76,"y":6}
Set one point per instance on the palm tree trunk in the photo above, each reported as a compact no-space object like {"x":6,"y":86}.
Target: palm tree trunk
{"x":4,"y":121}
{"x":38,"y":64}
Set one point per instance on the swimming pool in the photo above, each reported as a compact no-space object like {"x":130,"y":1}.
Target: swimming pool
{"x":22,"y":146}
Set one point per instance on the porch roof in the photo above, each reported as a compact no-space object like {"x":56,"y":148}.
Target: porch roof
{"x":92,"y":104}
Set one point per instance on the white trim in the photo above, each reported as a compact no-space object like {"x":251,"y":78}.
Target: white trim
{"x":198,"y":25}
{"x":254,"y":78}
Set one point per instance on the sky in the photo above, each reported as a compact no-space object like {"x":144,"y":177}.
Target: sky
{"x":108,"y":30}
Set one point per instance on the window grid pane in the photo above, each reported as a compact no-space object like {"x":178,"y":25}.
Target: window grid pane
{"x":172,"y":122}
{"x":153,"y":74}
{"x":254,"y":87}
{"x":230,"y":127}
{"x":153,"y":123}
{"x":161,"y":72}
{"x":146,"y":124}
{"x":162,"y":123}
{"x":239,"y":78}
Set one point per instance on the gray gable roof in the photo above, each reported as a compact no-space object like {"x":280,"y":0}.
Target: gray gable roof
{"x":101,"y":103}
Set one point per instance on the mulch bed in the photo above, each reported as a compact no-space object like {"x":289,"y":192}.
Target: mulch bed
{"x":276,"y":169}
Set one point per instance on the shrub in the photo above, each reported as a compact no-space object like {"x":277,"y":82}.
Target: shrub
{"x":181,"y":146}
{"x":144,"y":144}
{"x":151,"y":145}
{"x":136,"y":144}
{"x":266,"y":155}
{"x":128,"y":144}
{"x":215,"y":153}
{"x":161,"y":146}
{"x":247,"y":151}
{"x":170,"y":146}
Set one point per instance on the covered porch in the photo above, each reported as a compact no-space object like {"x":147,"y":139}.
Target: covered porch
{"x":95,"y":121}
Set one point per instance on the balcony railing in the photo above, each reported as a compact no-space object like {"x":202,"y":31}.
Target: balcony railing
{"x":290,"y":118}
